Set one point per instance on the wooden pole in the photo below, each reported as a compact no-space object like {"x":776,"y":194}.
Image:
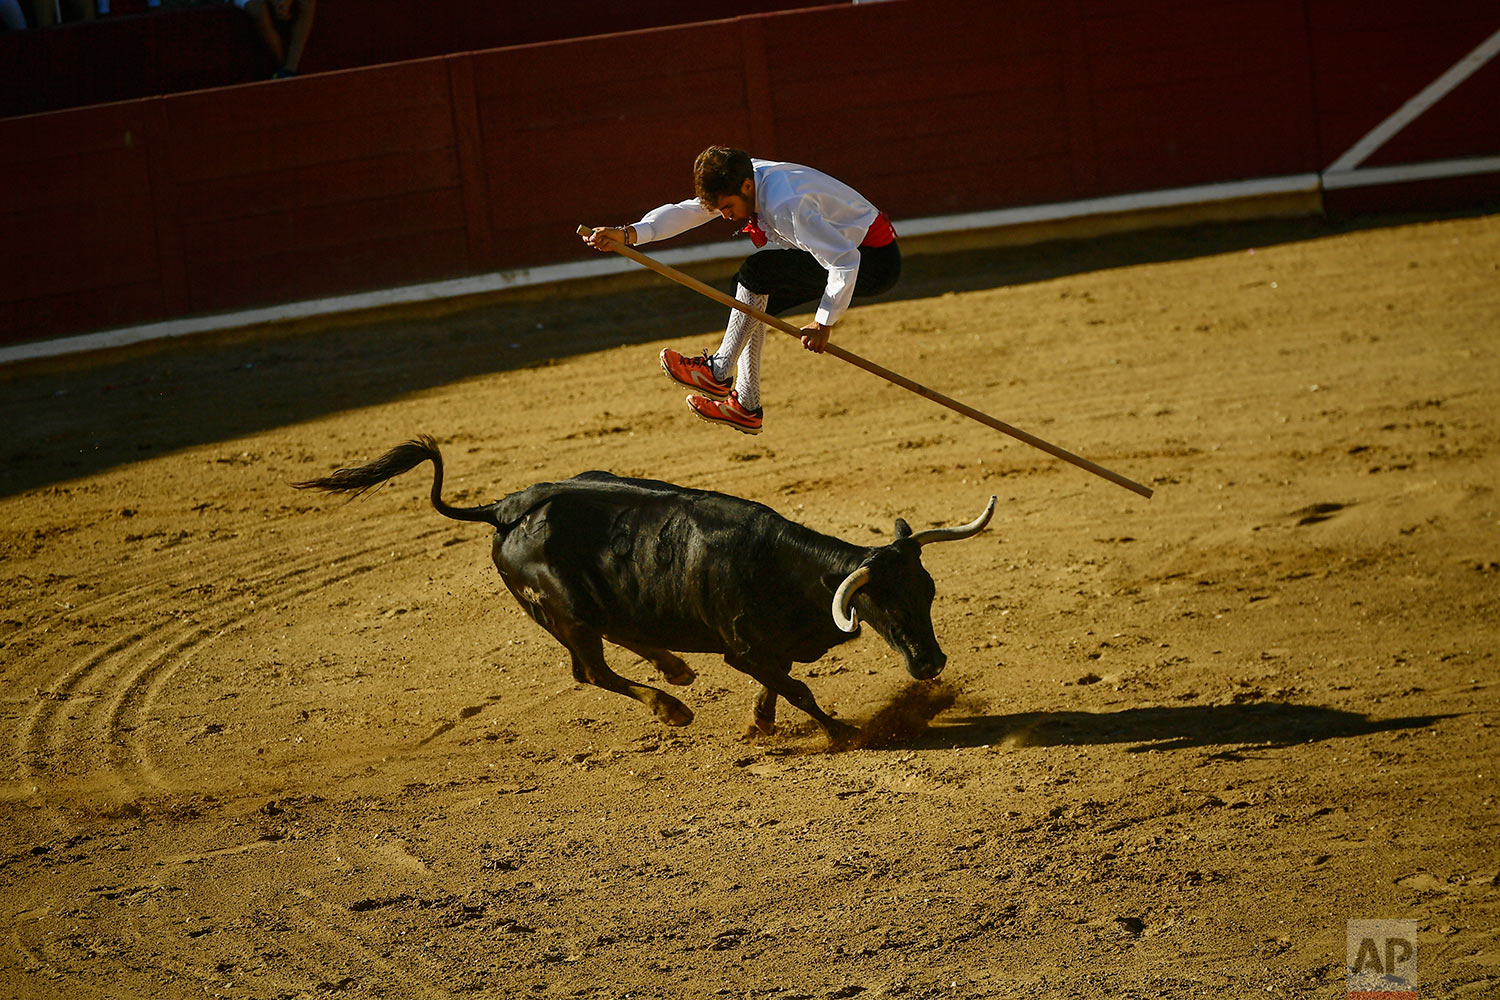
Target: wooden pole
{"x":874,"y":369}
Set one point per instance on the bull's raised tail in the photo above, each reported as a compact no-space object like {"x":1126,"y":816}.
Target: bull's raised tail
{"x":399,"y":459}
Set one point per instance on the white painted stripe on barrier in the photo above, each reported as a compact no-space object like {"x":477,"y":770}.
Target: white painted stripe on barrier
{"x":1434,"y":170}
{"x":1114,"y":204}
{"x":1413,"y":109}
{"x":603,"y":265}
{"x":436,"y":291}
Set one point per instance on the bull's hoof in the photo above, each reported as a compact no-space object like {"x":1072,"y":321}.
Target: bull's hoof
{"x":841,"y":734}
{"x":676,"y":671}
{"x":760,"y":727}
{"x":671,"y":711}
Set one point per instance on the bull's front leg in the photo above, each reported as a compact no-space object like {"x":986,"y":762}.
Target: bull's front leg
{"x":776,"y":681}
{"x":763,"y":717}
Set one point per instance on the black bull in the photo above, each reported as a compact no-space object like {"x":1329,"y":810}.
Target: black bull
{"x":654,"y":567}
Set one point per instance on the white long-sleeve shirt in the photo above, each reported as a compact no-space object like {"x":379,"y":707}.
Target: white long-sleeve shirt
{"x":798,"y":208}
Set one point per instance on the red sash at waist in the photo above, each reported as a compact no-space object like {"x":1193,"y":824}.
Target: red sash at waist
{"x":881,"y":232}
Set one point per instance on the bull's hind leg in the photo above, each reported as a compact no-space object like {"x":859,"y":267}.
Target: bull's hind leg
{"x":589,"y":668}
{"x":672,"y":666}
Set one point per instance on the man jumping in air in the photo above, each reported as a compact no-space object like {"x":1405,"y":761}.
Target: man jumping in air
{"x":816,"y":238}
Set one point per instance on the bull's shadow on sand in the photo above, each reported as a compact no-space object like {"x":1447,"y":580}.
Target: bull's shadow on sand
{"x":1260,"y":725}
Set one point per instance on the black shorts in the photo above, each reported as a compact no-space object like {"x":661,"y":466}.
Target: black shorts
{"x":794,"y":277}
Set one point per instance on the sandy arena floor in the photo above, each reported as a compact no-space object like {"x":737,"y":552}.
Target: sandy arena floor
{"x":264,"y":744}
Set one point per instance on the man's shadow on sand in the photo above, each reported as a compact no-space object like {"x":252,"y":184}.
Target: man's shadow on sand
{"x":1268,"y":724}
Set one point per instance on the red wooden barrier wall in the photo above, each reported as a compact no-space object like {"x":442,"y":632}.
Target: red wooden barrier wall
{"x":293,"y":191}
{"x":122,"y":58}
{"x":171,"y":51}
{"x":1370,"y":60}
{"x":346,"y":181}
{"x":78,"y":221}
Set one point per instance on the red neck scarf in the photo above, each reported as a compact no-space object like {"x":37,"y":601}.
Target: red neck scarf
{"x":752,"y":228}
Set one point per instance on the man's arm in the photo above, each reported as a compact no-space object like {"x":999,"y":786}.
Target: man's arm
{"x":841,"y":259}
{"x":658,"y":224}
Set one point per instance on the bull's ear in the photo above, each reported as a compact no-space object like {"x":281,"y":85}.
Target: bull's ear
{"x":903,"y":530}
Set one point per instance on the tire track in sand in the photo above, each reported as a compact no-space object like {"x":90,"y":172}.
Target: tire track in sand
{"x":131,"y":706}
{"x":142,"y":576}
{"x":119,"y":685}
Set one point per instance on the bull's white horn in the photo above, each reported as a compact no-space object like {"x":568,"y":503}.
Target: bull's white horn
{"x":842,"y":616}
{"x":974,"y":527}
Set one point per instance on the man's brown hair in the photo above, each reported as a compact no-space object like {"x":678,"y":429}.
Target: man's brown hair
{"x":720,"y":170}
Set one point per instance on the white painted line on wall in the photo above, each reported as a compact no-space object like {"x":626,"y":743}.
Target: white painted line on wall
{"x":436,"y":291}
{"x":1413,"y":109}
{"x":1169,"y":198}
{"x":1435,"y":170}
{"x":603,"y":265}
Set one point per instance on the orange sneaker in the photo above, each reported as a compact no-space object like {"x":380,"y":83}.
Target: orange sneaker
{"x":728,"y":412}
{"x":695,"y":373}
